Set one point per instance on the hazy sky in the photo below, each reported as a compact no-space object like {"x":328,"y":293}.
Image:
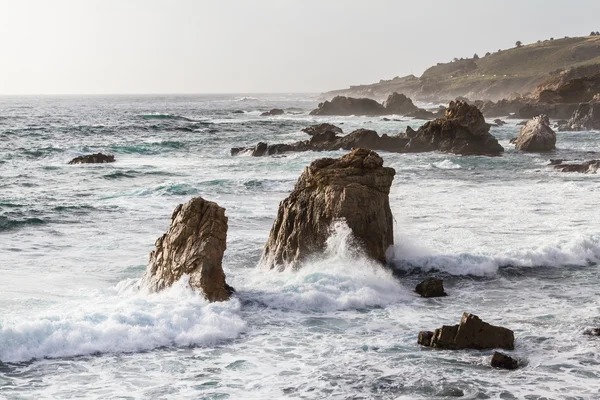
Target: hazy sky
{"x":206,"y":46}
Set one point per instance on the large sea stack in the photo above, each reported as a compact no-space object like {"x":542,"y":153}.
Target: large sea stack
{"x":462,"y":130}
{"x":355,"y":188}
{"x":193,"y":245}
{"x":536,"y":135}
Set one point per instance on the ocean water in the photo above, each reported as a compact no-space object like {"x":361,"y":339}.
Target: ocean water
{"x":516,"y":243}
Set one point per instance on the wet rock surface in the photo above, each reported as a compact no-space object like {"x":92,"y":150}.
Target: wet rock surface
{"x":587,"y":167}
{"x":503,"y":361}
{"x":273,"y":112}
{"x":193,"y":245}
{"x":97,"y":158}
{"x":470,"y":333}
{"x":354,"y":188}
{"x":431,"y":287}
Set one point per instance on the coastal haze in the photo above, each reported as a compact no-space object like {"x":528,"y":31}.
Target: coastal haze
{"x":189,"y":46}
{"x":336,"y":212}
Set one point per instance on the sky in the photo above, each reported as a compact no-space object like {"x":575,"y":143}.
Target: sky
{"x":258,"y":46}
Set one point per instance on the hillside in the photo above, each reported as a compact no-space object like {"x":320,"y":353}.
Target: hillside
{"x":493,"y":76}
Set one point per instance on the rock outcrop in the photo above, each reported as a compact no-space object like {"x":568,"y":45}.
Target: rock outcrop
{"x":586,"y":117}
{"x":354,"y":188}
{"x":462,"y":130}
{"x":587,"y":167}
{"x":273,"y":112}
{"x":322,"y":128}
{"x":536,"y":135}
{"x":341,"y":105}
{"x":503,"y":361}
{"x":399,"y":104}
{"x":97,"y":158}
{"x":431,"y":287}
{"x":194,"y":245}
{"x":471,"y":333}
{"x":329,"y":141}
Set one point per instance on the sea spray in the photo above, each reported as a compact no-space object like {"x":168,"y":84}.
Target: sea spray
{"x":122,"y":319}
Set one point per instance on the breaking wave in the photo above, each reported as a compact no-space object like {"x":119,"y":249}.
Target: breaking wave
{"x":122,"y":321}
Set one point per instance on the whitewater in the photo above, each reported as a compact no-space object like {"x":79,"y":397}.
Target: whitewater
{"x":515,"y":242}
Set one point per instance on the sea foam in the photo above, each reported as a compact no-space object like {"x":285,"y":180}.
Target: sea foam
{"x":124,"y":320}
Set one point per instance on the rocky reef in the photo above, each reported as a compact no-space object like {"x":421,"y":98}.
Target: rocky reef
{"x":470,"y":333}
{"x":462,"y":130}
{"x":431,"y":287}
{"x":536,"y":135}
{"x":193,"y":245}
{"x":353,"y":188}
{"x":341,"y":105}
{"x":97,"y":158}
{"x":586,"y":167}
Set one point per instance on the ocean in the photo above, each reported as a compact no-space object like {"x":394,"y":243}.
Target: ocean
{"x":516,"y":243}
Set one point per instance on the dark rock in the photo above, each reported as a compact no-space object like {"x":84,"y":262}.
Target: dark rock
{"x":321,"y":128}
{"x":273,"y":112}
{"x":592,"y":332}
{"x":431,"y":287}
{"x":385,"y":119}
{"x":556,"y":161}
{"x":556,"y":111}
{"x":399,"y":104}
{"x":421,"y":114}
{"x":425,"y":338}
{"x":194,"y":245}
{"x":499,"y":122}
{"x":97,"y":158}
{"x":238,"y":112}
{"x":587,"y":167}
{"x":536,"y":135}
{"x":463,"y":130}
{"x":341,"y":105}
{"x":354,"y":188}
{"x":503,"y":361}
{"x":472,"y":333}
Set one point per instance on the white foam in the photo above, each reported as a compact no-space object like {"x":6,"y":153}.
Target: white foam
{"x":123,"y":321}
{"x":446,"y":164}
{"x":339,"y":279}
{"x":580,"y":251}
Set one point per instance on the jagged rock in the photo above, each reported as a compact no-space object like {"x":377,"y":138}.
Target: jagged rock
{"x":536,"y":135}
{"x":341,"y":105}
{"x":463,"y":130}
{"x":322,"y":128}
{"x":587,"y":167}
{"x":502,"y":108}
{"x":421,"y":114}
{"x":572,"y":86}
{"x":471,"y":333}
{"x":500,"y":360}
{"x":355,"y":188}
{"x":399,"y":104}
{"x":431,"y":287}
{"x":273,"y":112}
{"x":193,"y":245}
{"x":499,"y":122}
{"x":97,"y":158}
{"x":556,"y":111}
{"x":586,"y":117}
{"x":328,"y":141}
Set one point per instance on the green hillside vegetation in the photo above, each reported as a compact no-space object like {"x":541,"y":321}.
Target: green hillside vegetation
{"x":493,"y":76}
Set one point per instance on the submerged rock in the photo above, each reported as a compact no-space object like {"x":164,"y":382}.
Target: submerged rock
{"x":322,"y":128}
{"x":431,"y":287}
{"x":536,"y":135}
{"x":97,"y":158}
{"x":273,"y":112}
{"x":194,"y":245}
{"x":587,"y":167}
{"x":399,"y":104}
{"x":499,"y":122}
{"x":500,"y":360}
{"x":341,"y":105}
{"x":592,"y":332}
{"x":463,"y":130}
{"x":354,"y":188}
{"x":471,"y":333}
